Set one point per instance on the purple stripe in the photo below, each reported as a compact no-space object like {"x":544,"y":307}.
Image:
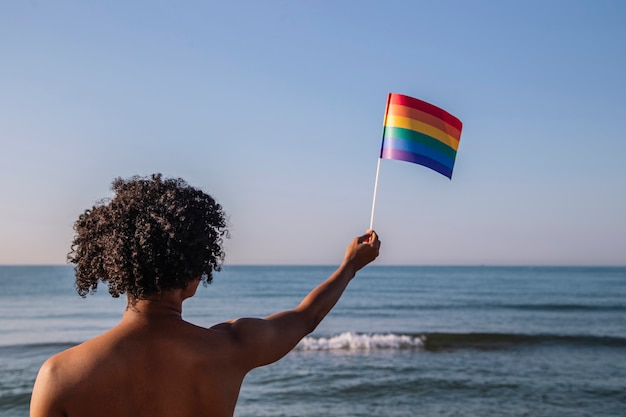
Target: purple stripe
{"x":416,"y":159}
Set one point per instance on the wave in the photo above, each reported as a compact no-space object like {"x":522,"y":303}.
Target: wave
{"x":564,"y":307}
{"x":448,"y":341}
{"x":439,"y":341}
{"x":350,"y":341}
{"x":392,"y":308}
{"x":28,"y":349}
{"x":355,"y":341}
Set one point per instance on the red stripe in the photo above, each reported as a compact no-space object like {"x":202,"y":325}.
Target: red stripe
{"x":435,"y":111}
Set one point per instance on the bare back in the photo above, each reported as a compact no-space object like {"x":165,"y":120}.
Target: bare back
{"x":149,"y":369}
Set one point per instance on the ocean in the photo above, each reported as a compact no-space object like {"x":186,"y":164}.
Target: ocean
{"x":403,"y":341}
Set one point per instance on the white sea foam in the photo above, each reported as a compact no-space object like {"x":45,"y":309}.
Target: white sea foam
{"x":354,"y":341}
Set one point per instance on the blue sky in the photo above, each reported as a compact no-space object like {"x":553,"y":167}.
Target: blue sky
{"x":276,"y":107}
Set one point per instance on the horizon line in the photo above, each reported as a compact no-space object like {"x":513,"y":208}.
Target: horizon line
{"x":459,"y":265}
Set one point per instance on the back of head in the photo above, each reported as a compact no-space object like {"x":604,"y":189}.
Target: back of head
{"x":155,"y":234}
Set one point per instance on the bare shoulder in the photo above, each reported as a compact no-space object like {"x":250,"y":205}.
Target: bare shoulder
{"x":59,"y":368}
{"x":53,"y":385}
{"x":261,"y":341}
{"x":62,"y":378}
{"x":65,"y":367}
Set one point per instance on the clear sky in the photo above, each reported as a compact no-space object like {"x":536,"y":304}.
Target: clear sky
{"x":276,"y":107}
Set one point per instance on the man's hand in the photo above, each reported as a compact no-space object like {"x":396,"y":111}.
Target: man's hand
{"x":362,"y":250}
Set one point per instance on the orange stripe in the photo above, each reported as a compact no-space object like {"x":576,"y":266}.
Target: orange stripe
{"x":398,"y":110}
{"x":393,"y":120}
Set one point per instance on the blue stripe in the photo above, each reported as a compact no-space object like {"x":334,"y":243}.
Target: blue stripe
{"x":411,"y":146}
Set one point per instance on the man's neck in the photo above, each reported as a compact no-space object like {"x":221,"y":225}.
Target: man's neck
{"x":167,"y":305}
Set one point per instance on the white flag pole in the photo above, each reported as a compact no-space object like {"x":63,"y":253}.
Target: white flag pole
{"x":379,"y":158}
{"x":375,"y":191}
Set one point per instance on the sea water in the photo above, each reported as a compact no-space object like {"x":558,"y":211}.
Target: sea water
{"x":403,"y":341}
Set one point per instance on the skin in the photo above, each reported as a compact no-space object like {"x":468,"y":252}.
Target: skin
{"x":153,"y":363}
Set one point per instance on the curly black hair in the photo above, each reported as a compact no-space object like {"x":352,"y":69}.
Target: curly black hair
{"x":155,"y":234}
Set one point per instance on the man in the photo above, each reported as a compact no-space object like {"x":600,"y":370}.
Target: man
{"x":155,"y":241}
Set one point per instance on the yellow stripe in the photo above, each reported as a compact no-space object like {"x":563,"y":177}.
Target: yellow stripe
{"x":425,"y":128}
{"x":424,"y":117}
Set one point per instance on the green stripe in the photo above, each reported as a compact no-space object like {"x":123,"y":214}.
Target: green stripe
{"x":398,"y":132}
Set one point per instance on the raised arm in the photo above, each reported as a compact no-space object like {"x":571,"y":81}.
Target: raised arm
{"x":264,"y":341}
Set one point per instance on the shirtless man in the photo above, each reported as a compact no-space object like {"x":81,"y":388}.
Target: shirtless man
{"x":155,"y":241}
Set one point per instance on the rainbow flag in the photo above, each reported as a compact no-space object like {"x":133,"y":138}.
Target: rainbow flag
{"x":418,"y":132}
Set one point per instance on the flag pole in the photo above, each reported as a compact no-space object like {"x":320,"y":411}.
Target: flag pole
{"x":379,"y":158}
{"x":375,"y":191}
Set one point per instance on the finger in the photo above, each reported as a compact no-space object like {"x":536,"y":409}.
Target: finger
{"x":375,"y":241}
{"x":370,"y":238}
{"x":365,"y":238}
